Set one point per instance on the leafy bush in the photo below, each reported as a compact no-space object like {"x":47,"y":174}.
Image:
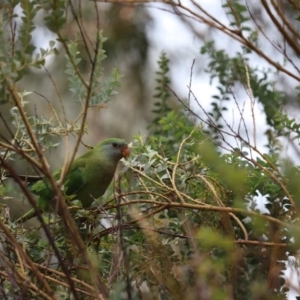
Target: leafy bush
{"x":183,"y":218}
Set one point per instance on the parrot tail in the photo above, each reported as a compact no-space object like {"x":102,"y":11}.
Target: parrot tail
{"x":27,"y":216}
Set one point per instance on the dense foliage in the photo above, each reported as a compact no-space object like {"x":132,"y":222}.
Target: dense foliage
{"x":198,"y":211}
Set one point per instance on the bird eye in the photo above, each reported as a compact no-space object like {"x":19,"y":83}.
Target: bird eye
{"x":114,"y":145}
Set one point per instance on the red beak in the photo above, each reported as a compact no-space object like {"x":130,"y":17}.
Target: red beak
{"x":125,"y":151}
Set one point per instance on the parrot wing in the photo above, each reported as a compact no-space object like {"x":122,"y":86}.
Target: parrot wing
{"x":76,"y":178}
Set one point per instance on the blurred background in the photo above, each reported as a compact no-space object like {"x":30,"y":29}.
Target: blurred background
{"x":137,"y":34}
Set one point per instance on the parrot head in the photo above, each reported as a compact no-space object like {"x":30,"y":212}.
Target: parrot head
{"x":115,"y":148}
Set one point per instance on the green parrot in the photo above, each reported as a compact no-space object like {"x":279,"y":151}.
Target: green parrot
{"x":88,"y":177}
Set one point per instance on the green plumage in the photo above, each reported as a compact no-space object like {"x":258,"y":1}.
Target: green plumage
{"x":88,"y":178}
